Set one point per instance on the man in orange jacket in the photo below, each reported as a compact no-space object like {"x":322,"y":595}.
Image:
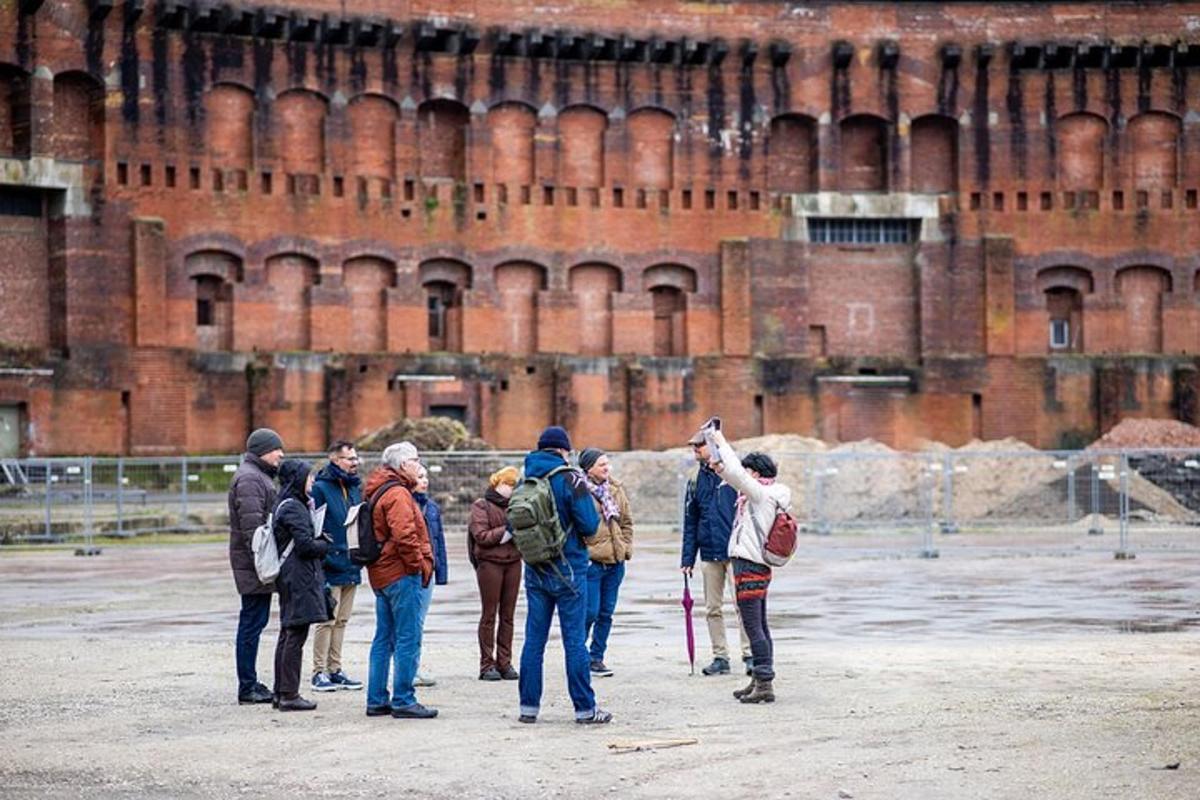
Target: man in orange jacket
{"x":400,"y":578}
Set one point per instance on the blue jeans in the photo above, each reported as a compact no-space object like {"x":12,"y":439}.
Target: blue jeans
{"x":397,"y":642}
{"x":426,"y":599}
{"x":604,"y":581}
{"x":545,"y":591}
{"x":256,"y":611}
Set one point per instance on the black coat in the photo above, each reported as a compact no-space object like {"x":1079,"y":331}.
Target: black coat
{"x":301,"y":580}
{"x":251,"y":499}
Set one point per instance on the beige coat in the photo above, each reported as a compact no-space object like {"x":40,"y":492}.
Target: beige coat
{"x":756,"y":514}
{"x":613,"y":541}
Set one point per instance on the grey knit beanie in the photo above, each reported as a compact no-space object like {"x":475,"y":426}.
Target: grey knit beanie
{"x":263,"y":441}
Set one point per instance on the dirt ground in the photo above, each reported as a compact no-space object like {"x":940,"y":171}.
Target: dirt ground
{"x":976,"y":675}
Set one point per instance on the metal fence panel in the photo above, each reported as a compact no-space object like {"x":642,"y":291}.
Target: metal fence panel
{"x":867,"y":498}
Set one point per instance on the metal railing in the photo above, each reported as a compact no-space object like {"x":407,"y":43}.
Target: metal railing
{"x":865,"y":497}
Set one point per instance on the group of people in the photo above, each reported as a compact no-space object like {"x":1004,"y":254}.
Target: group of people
{"x":730,"y":504}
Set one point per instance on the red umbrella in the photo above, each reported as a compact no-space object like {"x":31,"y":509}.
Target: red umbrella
{"x":687,"y":619}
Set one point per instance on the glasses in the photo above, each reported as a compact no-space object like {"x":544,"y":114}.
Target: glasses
{"x":351,"y":459}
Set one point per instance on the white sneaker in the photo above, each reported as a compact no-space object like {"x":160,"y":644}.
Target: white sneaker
{"x":423,"y":680}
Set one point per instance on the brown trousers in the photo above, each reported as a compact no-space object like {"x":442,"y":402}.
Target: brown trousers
{"x":498,"y":587}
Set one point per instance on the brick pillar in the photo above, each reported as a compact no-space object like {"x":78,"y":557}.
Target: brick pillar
{"x":149,"y":283}
{"x":1000,"y":287}
{"x":41,"y":112}
{"x":735,"y":298}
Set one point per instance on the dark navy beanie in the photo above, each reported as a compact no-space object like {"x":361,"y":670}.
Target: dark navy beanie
{"x":589,"y":457}
{"x":554,"y":438}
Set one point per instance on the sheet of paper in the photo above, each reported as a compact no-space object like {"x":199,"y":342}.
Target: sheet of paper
{"x":352,"y":526}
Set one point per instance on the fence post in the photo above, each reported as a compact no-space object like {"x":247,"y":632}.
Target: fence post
{"x":1072,"y":509}
{"x":120,"y":496}
{"x":89,"y":546}
{"x":929,"y":481}
{"x":183,"y":493}
{"x":948,"y":523}
{"x":49,"y":502}
{"x":1096,"y":528}
{"x":1123,"y":552}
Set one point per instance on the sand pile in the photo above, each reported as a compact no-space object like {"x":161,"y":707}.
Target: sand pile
{"x":1148,"y":433}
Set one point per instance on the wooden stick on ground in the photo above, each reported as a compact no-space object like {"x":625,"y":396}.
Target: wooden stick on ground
{"x":628,"y":746}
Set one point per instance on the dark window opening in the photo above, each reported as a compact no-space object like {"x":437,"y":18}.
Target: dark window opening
{"x":837,"y":230}
{"x":204,"y":311}
{"x":454,"y":412}
{"x":20,"y":203}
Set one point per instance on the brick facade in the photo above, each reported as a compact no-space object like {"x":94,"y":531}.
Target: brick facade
{"x":215,"y":216}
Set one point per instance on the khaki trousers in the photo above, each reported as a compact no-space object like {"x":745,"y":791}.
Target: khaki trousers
{"x":718,"y":577}
{"x":327,"y":643}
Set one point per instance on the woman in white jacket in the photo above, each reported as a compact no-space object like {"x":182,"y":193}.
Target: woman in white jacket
{"x":760,"y":498}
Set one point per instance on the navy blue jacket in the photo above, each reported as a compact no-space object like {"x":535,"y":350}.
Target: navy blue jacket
{"x":437,"y":537}
{"x":707,"y":518}
{"x":337,"y":490}
{"x":576,"y":510}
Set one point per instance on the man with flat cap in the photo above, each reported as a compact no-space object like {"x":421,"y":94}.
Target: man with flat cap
{"x":707,"y":523}
{"x":251,"y":498}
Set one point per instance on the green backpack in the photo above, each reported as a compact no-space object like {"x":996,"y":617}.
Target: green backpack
{"x":533,"y":514}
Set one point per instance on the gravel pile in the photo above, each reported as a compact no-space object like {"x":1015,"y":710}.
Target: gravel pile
{"x":1148,"y":433}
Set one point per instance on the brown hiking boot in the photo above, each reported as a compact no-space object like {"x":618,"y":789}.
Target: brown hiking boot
{"x":740,"y":693}
{"x":763,"y":692}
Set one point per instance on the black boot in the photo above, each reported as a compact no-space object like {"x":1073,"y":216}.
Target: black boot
{"x":740,"y":693}
{"x":763,"y":692}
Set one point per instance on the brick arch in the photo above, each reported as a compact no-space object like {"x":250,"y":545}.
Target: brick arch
{"x":511,"y":125}
{"x":792,"y":153}
{"x":442,"y":138}
{"x":593,"y":284}
{"x":15,"y":111}
{"x":863,"y":153}
{"x":1154,"y":139}
{"x":934,"y":153}
{"x":1081,"y":136}
{"x":1065,"y":277}
{"x":77,"y":132}
{"x":581,"y":131}
{"x":673,"y":275}
{"x":651,"y":136}
{"x":229,"y":123}
{"x":517,"y":286}
{"x":372,"y":121}
{"x":300,"y":120}
{"x":224,"y":264}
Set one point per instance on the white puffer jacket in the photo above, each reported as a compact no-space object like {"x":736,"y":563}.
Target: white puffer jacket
{"x":757,"y":514}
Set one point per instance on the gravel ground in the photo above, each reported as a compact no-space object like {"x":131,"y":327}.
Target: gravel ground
{"x":974,"y":675}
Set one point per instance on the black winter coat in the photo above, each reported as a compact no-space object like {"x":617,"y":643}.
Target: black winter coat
{"x":251,"y":499}
{"x":301,"y":580}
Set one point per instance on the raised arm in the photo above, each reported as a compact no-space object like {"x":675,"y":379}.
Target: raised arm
{"x":735,"y":474}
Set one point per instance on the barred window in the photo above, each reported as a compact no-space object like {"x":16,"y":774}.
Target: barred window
{"x":838,"y":230}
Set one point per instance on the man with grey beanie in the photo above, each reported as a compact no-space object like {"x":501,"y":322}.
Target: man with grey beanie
{"x":251,"y":498}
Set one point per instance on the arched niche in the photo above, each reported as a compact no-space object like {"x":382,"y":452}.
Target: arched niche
{"x":593,"y":285}
{"x":442,"y":138}
{"x":1154,"y":137}
{"x":444,"y":281}
{"x":511,"y":126}
{"x":290,"y":275}
{"x":863,"y":160}
{"x":372,"y":119}
{"x":668,"y":285}
{"x":77,"y":133}
{"x":301,"y":124}
{"x":15,"y":109}
{"x":792,"y":154}
{"x":581,"y":131}
{"x":934,"y":154}
{"x":229,"y":125}
{"x":651,"y":148}
{"x":517,"y":285}
{"x":367,"y":279}
{"x":212,"y":274}
{"x":1081,"y":151}
{"x":1140,"y":289}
